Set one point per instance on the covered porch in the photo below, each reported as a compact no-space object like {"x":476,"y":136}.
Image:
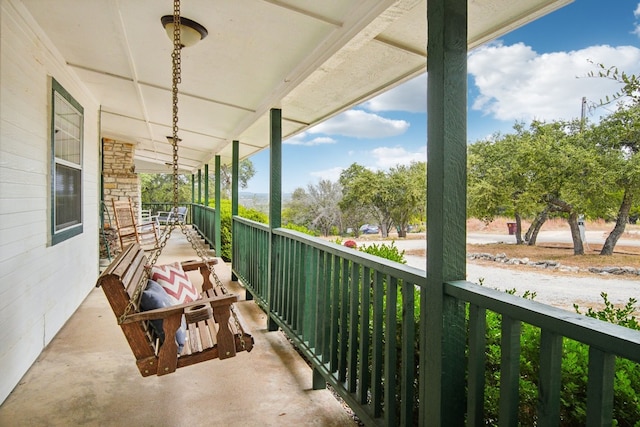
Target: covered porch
{"x":401,"y":346}
{"x":87,"y":376}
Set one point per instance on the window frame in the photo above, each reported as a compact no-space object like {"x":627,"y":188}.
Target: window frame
{"x":60,"y":233}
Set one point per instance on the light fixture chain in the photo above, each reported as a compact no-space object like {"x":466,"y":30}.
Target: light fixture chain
{"x":177,"y":72}
{"x":195,"y":242}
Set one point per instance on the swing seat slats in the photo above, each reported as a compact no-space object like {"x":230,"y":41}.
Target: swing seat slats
{"x":221,"y":336}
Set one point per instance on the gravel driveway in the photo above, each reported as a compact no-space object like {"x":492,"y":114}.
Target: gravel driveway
{"x":559,"y":290}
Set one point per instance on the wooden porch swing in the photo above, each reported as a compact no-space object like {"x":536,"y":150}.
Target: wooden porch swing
{"x":193,"y":330}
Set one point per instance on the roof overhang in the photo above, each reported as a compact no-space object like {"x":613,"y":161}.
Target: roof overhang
{"x":311,"y":59}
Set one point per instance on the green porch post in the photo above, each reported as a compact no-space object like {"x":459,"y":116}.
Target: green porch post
{"x":442,"y":390}
{"x":217,"y":225}
{"x":193,"y":188}
{"x":275,"y":195}
{"x":206,"y":185}
{"x":235,"y":173}
{"x":199,"y":186}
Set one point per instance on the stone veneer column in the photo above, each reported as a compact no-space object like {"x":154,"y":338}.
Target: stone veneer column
{"x":118,"y":173}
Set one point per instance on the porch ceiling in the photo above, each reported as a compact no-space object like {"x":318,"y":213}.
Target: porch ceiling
{"x":312,"y":59}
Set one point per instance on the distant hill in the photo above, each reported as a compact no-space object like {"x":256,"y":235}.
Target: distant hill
{"x":259,"y":201}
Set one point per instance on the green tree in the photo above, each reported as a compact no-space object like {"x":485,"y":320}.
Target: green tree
{"x":246,"y":171}
{"x":548,"y":168}
{"x":354,"y":209}
{"x":488,"y":179}
{"x":407,"y":194}
{"x":367,"y":192}
{"x":158,"y":188}
{"x":317,"y":208}
{"x":297,"y":210}
{"x":619,"y":136}
{"x":324,"y":199}
{"x":502,"y":179}
{"x":555,"y":159}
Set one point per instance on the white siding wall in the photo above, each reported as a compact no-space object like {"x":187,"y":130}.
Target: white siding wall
{"x":40,"y":285}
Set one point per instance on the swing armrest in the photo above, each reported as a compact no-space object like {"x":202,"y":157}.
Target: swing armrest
{"x":196,"y":264}
{"x":163,"y":313}
{"x":204,"y":270}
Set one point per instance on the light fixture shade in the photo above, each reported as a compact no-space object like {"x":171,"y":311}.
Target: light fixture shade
{"x":190,"y":31}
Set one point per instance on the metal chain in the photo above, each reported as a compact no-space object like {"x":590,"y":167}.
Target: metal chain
{"x":201,"y":251}
{"x":195,"y":243}
{"x":176,"y":73}
{"x":176,"y":79}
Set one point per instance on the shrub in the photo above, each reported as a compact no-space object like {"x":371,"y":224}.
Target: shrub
{"x":225,"y":225}
{"x":575,"y":359}
{"x":390,"y":252}
{"x":351,"y":244}
{"x":301,"y":229}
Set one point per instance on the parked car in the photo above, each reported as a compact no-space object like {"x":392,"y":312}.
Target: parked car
{"x":369,"y":229}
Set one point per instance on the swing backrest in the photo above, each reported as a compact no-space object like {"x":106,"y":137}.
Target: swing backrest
{"x":119,"y":282}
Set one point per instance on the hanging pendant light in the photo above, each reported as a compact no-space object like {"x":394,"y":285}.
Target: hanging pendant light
{"x":190,"y":31}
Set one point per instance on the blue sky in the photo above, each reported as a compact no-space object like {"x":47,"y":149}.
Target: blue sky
{"x":535,"y":72}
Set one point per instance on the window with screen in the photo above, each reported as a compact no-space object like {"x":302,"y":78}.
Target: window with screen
{"x":66,"y":164}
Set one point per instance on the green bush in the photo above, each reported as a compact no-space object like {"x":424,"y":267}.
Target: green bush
{"x":390,"y":252}
{"x":225,"y":225}
{"x":575,"y":358}
{"x":301,"y":229}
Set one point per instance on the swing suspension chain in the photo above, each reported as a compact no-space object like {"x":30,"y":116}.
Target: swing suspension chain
{"x":176,"y":73}
{"x":195,"y":243}
{"x":199,"y":249}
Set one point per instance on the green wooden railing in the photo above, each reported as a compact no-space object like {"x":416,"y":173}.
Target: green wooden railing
{"x":250,"y":257}
{"x":606,"y":341}
{"x":354,"y":316}
{"x":203,"y":219}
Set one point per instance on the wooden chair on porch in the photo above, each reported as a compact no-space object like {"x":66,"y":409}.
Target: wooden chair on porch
{"x":128,"y":228}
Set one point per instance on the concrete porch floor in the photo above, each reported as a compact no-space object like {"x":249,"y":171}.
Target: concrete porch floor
{"x":87,"y":377}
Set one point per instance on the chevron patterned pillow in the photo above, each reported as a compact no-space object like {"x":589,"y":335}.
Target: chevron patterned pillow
{"x":175,"y":282}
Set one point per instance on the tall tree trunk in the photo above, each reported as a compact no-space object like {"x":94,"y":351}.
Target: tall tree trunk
{"x":578,"y":247}
{"x":384,"y":229}
{"x":532,"y":233}
{"x":563,"y":206}
{"x":621,"y":223}
{"x":518,"y":229}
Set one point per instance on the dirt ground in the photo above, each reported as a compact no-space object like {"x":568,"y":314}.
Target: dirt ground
{"x":624,"y":256}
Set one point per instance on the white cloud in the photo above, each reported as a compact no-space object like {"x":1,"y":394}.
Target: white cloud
{"x":360,"y":124}
{"x":330,"y":174}
{"x":301,"y":139}
{"x":387,"y":157}
{"x":636,"y":13}
{"x":410,"y":97}
{"x":517,"y":83}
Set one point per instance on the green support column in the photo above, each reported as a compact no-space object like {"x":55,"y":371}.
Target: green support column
{"x":218,"y":245}
{"x":442,"y":329}
{"x":199,"y":186}
{"x":193,"y":188}
{"x":275,"y":195}
{"x":235,"y":174}
{"x":193,"y":197}
{"x":275,"y":164}
{"x":206,"y":185}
